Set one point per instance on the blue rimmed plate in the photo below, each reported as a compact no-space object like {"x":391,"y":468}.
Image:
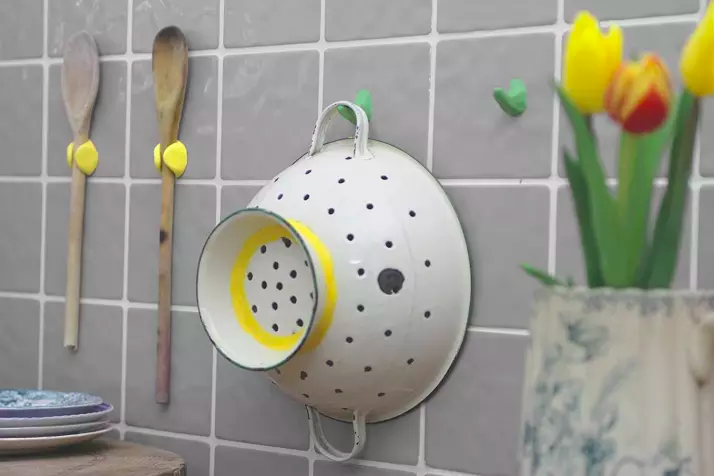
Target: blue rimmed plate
{"x":94,"y":414}
{"x":53,"y":430}
{"x":25,"y":403}
{"x":43,"y":444}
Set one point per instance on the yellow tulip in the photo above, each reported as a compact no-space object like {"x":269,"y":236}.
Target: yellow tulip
{"x":590,"y":61}
{"x":697,"y":61}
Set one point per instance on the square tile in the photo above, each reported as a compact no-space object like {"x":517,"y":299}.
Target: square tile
{"x":20,"y":22}
{"x":271,"y":22}
{"x":467,"y":15}
{"x":705,"y":279}
{"x":502,"y":292}
{"x":191,"y":367}
{"x":394,"y":441}
{"x":569,"y":257}
{"x":108,"y":122}
{"x":96,"y":367}
{"x":258,"y":463}
{"x":194,"y":218}
{"x":345,"y":20}
{"x":197,"y":20}
{"x":105,"y":20}
{"x":21,"y":122}
{"x":473,"y":137}
{"x":330,"y":468}
{"x":252,"y":409}
{"x":19,"y":342}
{"x":20,"y":242}
{"x":236,"y":197}
{"x":667,"y":41}
{"x":706,"y":143}
{"x":196,"y":454}
{"x":614,"y":9}
{"x":102,"y":243}
{"x":473,"y":420}
{"x":397,"y":76}
{"x":269,"y":112}
{"x":198,"y":120}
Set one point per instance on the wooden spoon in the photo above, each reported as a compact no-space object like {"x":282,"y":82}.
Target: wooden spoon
{"x":80,"y":81}
{"x":170,"y":68}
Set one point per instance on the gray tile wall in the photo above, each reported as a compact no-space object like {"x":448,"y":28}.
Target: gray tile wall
{"x":260,"y":72}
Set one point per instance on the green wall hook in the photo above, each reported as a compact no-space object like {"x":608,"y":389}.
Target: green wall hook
{"x":363,"y":99}
{"x":514,"y":101}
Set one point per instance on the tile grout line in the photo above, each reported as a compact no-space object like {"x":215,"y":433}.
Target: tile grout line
{"x":120,"y":180}
{"x":193,"y":309}
{"x":555,"y":181}
{"x":696,"y":195}
{"x":500,"y":32}
{"x":510,"y":331}
{"x":126,"y":180}
{"x":694,"y":240}
{"x":321,"y":47}
{"x":311,"y":452}
{"x":446,"y":472}
{"x":449,"y":182}
{"x":433,"y":42}
{"x":289,"y":451}
{"x":421,"y":455}
{"x":219,"y":193}
{"x":43,"y":189}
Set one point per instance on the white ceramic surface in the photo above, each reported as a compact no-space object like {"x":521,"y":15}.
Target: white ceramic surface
{"x":54,"y":430}
{"x":619,"y":383}
{"x":45,"y":443}
{"x":101,"y":411}
{"x":346,"y":278}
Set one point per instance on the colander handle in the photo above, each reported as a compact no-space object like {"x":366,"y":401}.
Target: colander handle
{"x":359,"y":424}
{"x":361,"y":130}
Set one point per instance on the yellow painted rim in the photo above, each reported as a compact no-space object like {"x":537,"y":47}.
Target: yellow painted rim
{"x":324,"y":321}
{"x":241,"y":306}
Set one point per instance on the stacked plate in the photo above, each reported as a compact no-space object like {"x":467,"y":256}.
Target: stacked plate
{"x":39,"y":420}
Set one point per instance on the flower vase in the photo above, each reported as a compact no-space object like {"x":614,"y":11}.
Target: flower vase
{"x":619,"y":383}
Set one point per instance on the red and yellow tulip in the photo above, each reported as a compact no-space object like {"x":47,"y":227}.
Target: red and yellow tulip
{"x":590,"y":61}
{"x":639,"y":95}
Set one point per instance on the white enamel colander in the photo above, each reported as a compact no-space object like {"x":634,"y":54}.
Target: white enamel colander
{"x":346,"y":279}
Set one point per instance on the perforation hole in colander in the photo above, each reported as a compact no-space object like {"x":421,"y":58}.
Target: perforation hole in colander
{"x":279,"y":287}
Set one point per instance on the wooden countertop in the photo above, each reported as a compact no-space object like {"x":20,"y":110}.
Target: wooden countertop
{"x":100,"y":457}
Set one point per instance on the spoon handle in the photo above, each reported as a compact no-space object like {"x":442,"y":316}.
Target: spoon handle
{"x":74,"y":254}
{"x":163,"y":361}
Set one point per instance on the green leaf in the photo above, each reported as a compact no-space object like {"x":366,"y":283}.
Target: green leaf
{"x":363,"y":99}
{"x":579,"y":193}
{"x":514,"y":101}
{"x":604,"y":219}
{"x":639,"y":161}
{"x":661,"y":260}
{"x":542,"y":276}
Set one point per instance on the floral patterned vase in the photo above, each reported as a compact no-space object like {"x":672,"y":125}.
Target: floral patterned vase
{"x":619,"y":383}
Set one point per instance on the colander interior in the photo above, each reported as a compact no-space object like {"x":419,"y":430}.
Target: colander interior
{"x":256,"y":289}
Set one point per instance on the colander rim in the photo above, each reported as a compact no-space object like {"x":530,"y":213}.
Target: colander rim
{"x":311,"y":267}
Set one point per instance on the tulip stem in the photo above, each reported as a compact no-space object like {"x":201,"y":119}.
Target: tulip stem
{"x":661,"y":259}
{"x":603,"y":211}
{"x":579,"y":194}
